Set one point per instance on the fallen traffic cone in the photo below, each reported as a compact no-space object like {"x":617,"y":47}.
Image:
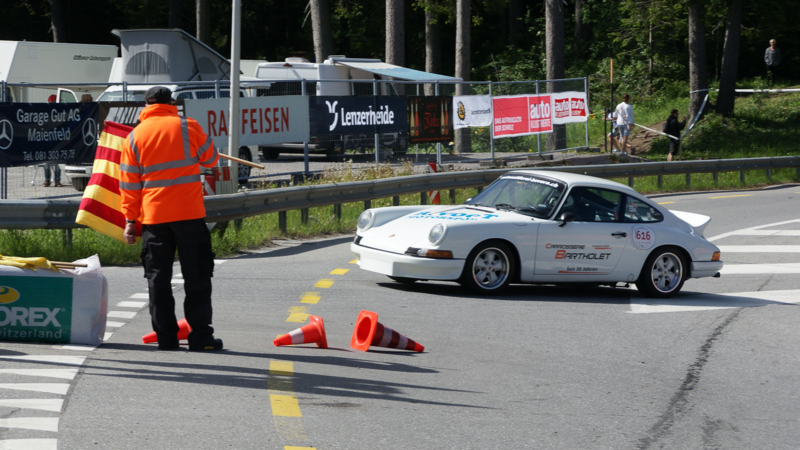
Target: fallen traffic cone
{"x":314,"y":332}
{"x":183,"y":333}
{"x":369,"y":331}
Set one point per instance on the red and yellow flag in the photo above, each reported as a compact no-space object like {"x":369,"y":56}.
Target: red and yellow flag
{"x":101,"y":207}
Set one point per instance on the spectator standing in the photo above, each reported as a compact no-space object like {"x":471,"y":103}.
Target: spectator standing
{"x":160,"y":186}
{"x":673,"y":128}
{"x":613,"y":135}
{"x":772,"y":57}
{"x":625,"y":121}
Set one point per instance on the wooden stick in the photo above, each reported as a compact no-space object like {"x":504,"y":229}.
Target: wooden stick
{"x":242,"y":161}
{"x":68,"y":264}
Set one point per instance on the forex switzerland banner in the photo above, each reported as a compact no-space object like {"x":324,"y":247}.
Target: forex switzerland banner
{"x":522,"y":115}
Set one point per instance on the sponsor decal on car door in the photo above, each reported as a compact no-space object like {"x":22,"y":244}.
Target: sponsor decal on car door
{"x":579,"y":248}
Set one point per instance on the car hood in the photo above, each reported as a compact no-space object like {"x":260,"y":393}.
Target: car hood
{"x":412,"y":230}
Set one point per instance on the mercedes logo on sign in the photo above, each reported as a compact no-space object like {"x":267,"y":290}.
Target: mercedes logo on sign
{"x":6,"y":134}
{"x":89,"y":132}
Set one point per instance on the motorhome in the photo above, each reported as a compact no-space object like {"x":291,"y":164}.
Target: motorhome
{"x":37,"y":63}
{"x":349,"y":70}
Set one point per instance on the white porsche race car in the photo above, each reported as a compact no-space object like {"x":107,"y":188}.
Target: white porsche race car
{"x":540,"y":227}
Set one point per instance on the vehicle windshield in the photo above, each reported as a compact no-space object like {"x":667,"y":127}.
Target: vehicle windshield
{"x":525,"y":194}
{"x":116,"y":96}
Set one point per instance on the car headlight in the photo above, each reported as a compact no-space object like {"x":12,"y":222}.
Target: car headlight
{"x":437,"y":233}
{"x":365,"y":220}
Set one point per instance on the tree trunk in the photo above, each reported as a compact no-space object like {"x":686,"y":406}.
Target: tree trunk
{"x":321,"y":28}
{"x":576,"y":41}
{"x":433,"y":47}
{"x":463,"y":16}
{"x":174,"y":19}
{"x":515,"y":22}
{"x":203,"y":21}
{"x":730,"y":59}
{"x":698,"y":72}
{"x":554,"y":50}
{"x":57,"y":22}
{"x":395,"y":34}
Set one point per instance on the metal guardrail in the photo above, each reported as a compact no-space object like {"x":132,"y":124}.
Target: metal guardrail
{"x":60,"y":214}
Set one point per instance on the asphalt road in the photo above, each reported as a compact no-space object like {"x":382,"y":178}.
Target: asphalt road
{"x":540,"y":367}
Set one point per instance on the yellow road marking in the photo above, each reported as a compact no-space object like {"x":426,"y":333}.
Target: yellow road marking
{"x":285,"y":368}
{"x":324,"y":283}
{"x":665,"y":203}
{"x":339,"y":271}
{"x":310,"y":297}
{"x":298,"y":309}
{"x":731,"y":196}
{"x":297,"y":317}
{"x":355,"y":261}
{"x":284,"y":405}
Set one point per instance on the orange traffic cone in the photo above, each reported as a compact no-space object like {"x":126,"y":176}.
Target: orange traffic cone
{"x":369,"y":331}
{"x":314,"y":332}
{"x":183,"y":333}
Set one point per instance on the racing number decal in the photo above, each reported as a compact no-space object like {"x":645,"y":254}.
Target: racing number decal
{"x":643,"y":237}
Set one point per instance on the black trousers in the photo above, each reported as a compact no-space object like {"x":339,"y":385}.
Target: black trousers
{"x":193,"y":242}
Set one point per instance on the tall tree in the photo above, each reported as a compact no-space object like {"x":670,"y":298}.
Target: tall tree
{"x":203,"y":21}
{"x":395,"y":32}
{"x":433,"y":43}
{"x":463,"y":18}
{"x":554,"y":51}
{"x":57,"y":22}
{"x":698,"y":72}
{"x":515,"y":22}
{"x":174,"y":14}
{"x":577,"y":45}
{"x":730,"y":59}
{"x":321,"y":29}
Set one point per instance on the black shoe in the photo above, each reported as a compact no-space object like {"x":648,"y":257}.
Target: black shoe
{"x":207,"y":344}
{"x":170,"y":345}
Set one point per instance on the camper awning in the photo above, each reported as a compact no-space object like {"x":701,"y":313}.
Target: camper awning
{"x":390,"y":70}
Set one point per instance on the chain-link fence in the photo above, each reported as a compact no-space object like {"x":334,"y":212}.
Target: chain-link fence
{"x":466,"y":146}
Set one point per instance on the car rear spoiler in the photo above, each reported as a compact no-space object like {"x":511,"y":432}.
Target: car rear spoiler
{"x":698,"y":222}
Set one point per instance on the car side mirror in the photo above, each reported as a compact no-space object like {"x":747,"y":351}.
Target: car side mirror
{"x":566,"y":217}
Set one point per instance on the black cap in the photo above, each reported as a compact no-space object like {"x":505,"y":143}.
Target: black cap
{"x":158,"y":94}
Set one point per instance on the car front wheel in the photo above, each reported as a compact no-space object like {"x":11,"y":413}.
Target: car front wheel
{"x":488,"y":269}
{"x":663,"y":273}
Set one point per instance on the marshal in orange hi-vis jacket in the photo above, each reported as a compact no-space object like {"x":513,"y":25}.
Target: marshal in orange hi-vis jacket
{"x":101,"y":206}
{"x":162,"y":184}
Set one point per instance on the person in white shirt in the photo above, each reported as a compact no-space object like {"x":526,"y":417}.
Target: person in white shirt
{"x":624,"y":114}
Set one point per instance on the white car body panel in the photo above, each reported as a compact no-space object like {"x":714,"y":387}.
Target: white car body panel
{"x":548,"y":252}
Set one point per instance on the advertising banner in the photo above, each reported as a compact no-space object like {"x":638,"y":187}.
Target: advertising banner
{"x":569,"y":107}
{"x":430,"y":119}
{"x":263,"y":120}
{"x":521,"y":115}
{"x":472,"y":111}
{"x":355,"y":115}
{"x":34,"y":133}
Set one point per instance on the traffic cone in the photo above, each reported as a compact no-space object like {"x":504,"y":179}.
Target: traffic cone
{"x":369,"y":331}
{"x":183,"y":333}
{"x":314,"y":332}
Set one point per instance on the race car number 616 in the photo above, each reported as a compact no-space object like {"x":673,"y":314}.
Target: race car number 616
{"x":643,"y":237}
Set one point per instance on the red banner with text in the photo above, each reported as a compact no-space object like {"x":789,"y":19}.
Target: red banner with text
{"x":521,"y":115}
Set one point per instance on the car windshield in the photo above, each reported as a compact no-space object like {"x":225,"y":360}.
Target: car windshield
{"x":526,"y":194}
{"x":116,"y":96}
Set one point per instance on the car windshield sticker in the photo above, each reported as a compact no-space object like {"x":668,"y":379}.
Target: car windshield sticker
{"x":451,"y":216}
{"x":552,"y":184}
{"x":631,"y":206}
{"x":643,"y":237}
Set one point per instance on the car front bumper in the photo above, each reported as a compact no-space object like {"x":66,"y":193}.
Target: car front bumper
{"x":702,"y":269}
{"x":396,"y":265}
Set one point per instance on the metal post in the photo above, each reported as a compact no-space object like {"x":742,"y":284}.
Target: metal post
{"x":367,"y":204}
{"x":688,"y":180}
{"x":539,"y":135}
{"x":305,"y":143}
{"x":377,"y":136}
{"x":741,"y":176}
{"x":452,"y":196}
{"x":423,"y":198}
{"x":4,"y":185}
{"x":660,"y":181}
{"x":491,"y":127}
{"x":716,"y":177}
{"x":769,"y":174}
{"x":125,"y":91}
{"x":304,"y":216}
{"x":3,"y":94}
{"x":396,"y":200}
{"x":630,"y":181}
{"x":66,"y":234}
{"x":586,"y":91}
{"x":282,"y":221}
{"x":217,"y":90}
{"x":233,"y":129}
{"x":337,"y":211}
{"x":438,"y":144}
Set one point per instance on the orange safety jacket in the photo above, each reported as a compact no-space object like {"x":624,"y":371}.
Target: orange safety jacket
{"x":159,"y":171}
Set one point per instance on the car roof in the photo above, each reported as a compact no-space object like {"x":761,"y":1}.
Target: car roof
{"x":573,"y":179}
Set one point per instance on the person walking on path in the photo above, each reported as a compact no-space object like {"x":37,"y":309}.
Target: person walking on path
{"x":161,"y":188}
{"x":772,"y":57}
{"x":673,"y":128}
{"x":625,"y":122}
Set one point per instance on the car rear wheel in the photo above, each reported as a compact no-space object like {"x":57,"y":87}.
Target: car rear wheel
{"x":663,"y":273}
{"x":270,"y":153}
{"x":488,"y":269}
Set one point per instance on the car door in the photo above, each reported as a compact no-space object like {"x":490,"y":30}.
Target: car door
{"x":587,"y":248}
